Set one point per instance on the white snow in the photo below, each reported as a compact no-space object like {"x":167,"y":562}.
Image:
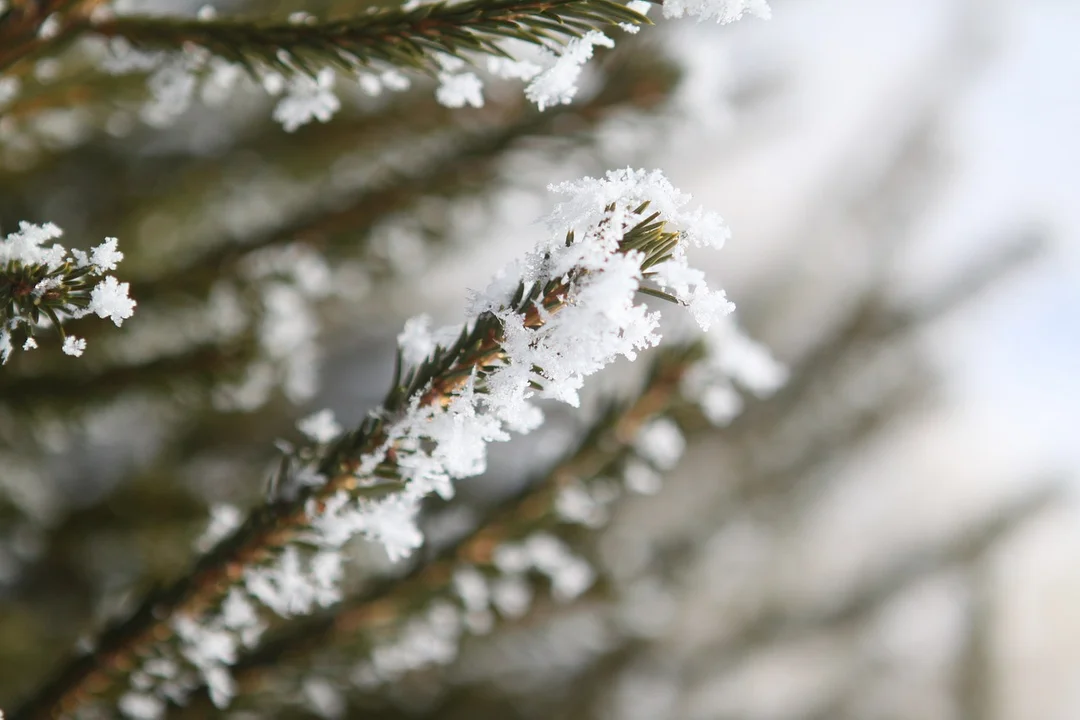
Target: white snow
{"x":321,"y":426}
{"x":558,"y":84}
{"x":109,"y":299}
{"x":456,"y":90}
{"x":307,"y":99}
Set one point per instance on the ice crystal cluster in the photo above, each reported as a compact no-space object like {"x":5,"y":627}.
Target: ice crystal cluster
{"x":43,"y":283}
{"x":551,"y":73}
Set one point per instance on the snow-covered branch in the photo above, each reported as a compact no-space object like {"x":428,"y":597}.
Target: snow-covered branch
{"x":545,"y":323}
{"x":543,"y":43}
{"x":43,"y":285}
{"x":496,"y":570}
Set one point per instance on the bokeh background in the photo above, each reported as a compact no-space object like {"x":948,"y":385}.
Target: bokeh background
{"x":893,"y":535}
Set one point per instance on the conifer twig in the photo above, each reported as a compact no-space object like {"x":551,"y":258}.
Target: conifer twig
{"x":394,"y":36}
{"x":603,"y":448}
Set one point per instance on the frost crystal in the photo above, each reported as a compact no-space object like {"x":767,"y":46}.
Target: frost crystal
{"x":570,"y":575}
{"x":324,"y":699}
{"x":507,"y":68}
{"x":641,"y":479}
{"x":576,"y":504}
{"x":105,"y":256}
{"x":308,"y":99}
{"x":552,"y":77}
{"x":700,"y":228}
{"x":74,"y":346}
{"x":457,"y":90}
{"x":291,"y":278}
{"x":110,"y":299}
{"x":50,"y":28}
{"x":171,"y":86}
{"x":415,"y":342}
{"x":288,"y":588}
{"x":320,"y":427}
{"x":224,"y":518}
{"x":9,"y":89}
{"x":638,"y":6}
{"x":599,"y":319}
{"x":511,"y":596}
{"x":558,"y":84}
{"x":661,"y":443}
{"x":26,"y":246}
{"x":731,"y":356}
{"x":141,"y":706}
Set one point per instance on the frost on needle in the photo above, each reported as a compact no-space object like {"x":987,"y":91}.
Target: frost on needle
{"x":42,"y":283}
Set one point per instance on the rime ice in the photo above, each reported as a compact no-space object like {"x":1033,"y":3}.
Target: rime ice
{"x":59,"y":281}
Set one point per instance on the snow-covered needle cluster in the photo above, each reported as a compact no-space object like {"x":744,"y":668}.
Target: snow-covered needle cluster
{"x":543,"y":325}
{"x":42,"y":283}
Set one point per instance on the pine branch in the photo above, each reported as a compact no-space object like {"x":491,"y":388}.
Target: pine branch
{"x":42,"y":284}
{"x":200,"y":364}
{"x":394,"y":36}
{"x":604,"y":448}
{"x":351,"y":465}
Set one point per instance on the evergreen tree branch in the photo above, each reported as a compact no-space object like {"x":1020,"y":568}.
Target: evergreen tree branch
{"x":163,"y":374}
{"x":394,"y":36}
{"x":605,"y":447}
{"x":351,"y":465}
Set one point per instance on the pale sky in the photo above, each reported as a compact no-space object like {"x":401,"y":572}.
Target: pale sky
{"x":1016,"y":356}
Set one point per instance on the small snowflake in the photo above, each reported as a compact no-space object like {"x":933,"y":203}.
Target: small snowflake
{"x":105,"y":256}
{"x":460,"y":89}
{"x":109,"y":298}
{"x":74,"y":346}
{"x":307,"y":99}
{"x":320,"y":427}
